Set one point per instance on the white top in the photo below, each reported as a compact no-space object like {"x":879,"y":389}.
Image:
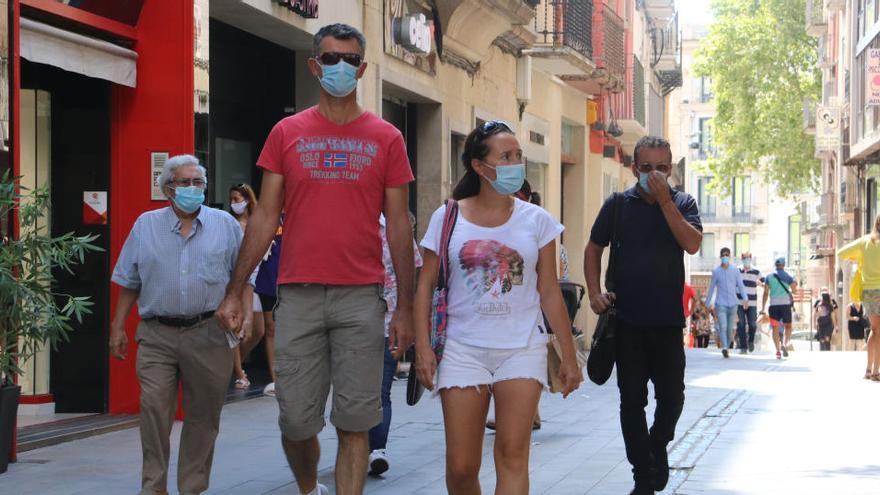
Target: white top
{"x":493,"y":299}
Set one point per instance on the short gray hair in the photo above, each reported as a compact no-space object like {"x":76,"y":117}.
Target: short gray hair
{"x":174,"y":163}
{"x":651,"y":142}
{"x":340,"y":32}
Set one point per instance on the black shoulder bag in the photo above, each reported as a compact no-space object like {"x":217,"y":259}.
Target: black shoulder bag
{"x":600,"y":361}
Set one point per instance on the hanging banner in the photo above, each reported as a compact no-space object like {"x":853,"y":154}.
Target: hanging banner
{"x":827,"y":128}
{"x":872,"y":85}
{"x":95,"y":207}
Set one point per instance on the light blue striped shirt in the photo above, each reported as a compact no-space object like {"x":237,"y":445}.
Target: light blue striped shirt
{"x":729,"y":285}
{"x":176,"y":276}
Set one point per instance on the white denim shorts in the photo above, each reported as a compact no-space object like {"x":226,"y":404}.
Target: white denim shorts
{"x":465,"y":365}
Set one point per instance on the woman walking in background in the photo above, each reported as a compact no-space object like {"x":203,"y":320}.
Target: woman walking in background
{"x":242,"y":202}
{"x":856,"y":323}
{"x":826,"y":319}
{"x":866,"y":252}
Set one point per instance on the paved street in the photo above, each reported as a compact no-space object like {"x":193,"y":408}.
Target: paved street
{"x":752,"y":425}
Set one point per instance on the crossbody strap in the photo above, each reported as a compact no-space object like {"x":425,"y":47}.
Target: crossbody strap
{"x":449,"y":220}
{"x":615,"y":243}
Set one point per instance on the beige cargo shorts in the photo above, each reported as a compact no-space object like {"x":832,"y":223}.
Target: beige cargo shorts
{"x":328,"y":335}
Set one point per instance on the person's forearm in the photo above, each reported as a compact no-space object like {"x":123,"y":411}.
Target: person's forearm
{"x":400,"y":243}
{"x":127,"y":298}
{"x":764,"y":301}
{"x":687,"y":236}
{"x":593,"y":268}
{"x":260,"y":231}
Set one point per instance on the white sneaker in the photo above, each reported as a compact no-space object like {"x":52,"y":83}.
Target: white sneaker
{"x":319,"y":490}
{"x":269,"y":390}
{"x":378,"y":462}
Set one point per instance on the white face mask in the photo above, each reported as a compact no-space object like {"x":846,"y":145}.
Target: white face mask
{"x":239,"y":208}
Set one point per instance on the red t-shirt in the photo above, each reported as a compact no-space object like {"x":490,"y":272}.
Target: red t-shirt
{"x":334,"y":186}
{"x":686,"y":297}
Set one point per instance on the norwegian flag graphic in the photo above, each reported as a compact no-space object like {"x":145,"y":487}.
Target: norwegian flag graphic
{"x":335,"y":160}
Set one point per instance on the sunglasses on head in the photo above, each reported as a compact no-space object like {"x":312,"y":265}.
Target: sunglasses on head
{"x":494,"y":126}
{"x":333,"y":58}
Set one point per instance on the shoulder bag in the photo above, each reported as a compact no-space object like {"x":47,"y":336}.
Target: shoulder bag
{"x":414,"y":388}
{"x":600,"y":361}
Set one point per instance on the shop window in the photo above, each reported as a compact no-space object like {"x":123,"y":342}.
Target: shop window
{"x":536,"y":173}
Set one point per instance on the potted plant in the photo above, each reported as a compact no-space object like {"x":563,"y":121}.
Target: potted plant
{"x":33,"y":314}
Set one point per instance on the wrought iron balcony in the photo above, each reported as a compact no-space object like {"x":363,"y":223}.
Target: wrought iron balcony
{"x":564,"y":44}
{"x":816,"y":24}
{"x":609,"y":53}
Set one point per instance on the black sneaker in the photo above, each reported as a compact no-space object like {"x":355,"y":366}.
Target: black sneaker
{"x":725,"y":353}
{"x":784,"y":352}
{"x":660,"y":468}
{"x":751,"y":347}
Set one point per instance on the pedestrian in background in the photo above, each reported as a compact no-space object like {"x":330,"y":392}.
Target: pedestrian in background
{"x":825,"y":311}
{"x":335,"y":168}
{"x":502,"y":264}
{"x":729,"y":291}
{"x":379,"y":461}
{"x":856,"y":323}
{"x":175,"y":264}
{"x":748,"y":309}
{"x":657,"y":225}
{"x":701,"y":323}
{"x":866,"y":252}
{"x":242,"y":202}
{"x":780,"y":286}
{"x":267,"y":289}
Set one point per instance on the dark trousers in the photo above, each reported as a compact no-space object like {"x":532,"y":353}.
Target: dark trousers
{"x":749,"y":316}
{"x":379,"y":433}
{"x":656,"y":354}
{"x":702,"y":341}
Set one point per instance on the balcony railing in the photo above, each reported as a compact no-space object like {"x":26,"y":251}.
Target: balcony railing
{"x":566,"y":23}
{"x":729,"y":217}
{"x":608,"y":42}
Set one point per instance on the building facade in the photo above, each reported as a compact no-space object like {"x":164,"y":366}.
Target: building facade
{"x":578,"y":80}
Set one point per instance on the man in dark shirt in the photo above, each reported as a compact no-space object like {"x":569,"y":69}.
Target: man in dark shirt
{"x":656,"y":226}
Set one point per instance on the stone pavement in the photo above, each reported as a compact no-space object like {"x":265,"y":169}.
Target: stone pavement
{"x":751,"y":425}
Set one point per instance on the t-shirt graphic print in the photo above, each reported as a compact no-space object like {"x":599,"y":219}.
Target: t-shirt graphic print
{"x":493,"y":299}
{"x":491,"y":269}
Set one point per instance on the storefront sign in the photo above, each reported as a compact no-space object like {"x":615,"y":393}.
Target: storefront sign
{"x":409,"y":34}
{"x":157,"y":161}
{"x":872,"y":85}
{"x":827,"y":128}
{"x":305,"y":8}
{"x":95,"y":207}
{"x":413,"y":32}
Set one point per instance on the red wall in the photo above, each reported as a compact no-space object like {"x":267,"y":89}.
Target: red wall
{"x":155,"y":116}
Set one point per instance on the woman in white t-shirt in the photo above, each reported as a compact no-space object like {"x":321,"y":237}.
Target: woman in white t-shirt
{"x":502,"y":263}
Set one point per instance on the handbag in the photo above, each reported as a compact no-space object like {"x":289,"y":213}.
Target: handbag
{"x":600,"y":362}
{"x":554,"y":360}
{"x":855,"y":288}
{"x":439,"y":318}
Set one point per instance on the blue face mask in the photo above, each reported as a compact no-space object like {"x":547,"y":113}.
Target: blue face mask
{"x":725,"y":260}
{"x":339,"y":79}
{"x":189,"y":198}
{"x":508,"y":178}
{"x":643,"y":181}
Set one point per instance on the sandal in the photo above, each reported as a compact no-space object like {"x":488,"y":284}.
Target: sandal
{"x":875,"y":377}
{"x":868,"y":374}
{"x":242,"y":383}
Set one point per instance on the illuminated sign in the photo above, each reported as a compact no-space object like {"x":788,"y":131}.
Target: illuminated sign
{"x":305,"y":8}
{"x":413,"y":32}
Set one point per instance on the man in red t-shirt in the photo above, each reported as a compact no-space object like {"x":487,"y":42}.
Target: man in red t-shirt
{"x":334,"y":168}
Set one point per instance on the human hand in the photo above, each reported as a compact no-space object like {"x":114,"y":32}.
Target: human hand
{"x":230,"y":313}
{"x":426,"y":365}
{"x":400,"y":332}
{"x":600,"y":303}
{"x":118,"y":341}
{"x":247,"y":327}
{"x":571,"y":375}
{"x":659,"y":187}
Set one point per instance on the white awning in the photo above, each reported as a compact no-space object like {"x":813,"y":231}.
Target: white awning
{"x":74,"y":52}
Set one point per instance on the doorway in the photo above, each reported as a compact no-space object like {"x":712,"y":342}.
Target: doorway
{"x":403,"y":116}
{"x":65,"y":143}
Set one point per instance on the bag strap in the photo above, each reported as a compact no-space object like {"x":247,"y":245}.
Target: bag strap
{"x":449,"y":220}
{"x":615,"y":241}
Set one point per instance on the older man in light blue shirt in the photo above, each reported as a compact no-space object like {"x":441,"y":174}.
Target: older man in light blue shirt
{"x":728,"y":288}
{"x":175,"y":264}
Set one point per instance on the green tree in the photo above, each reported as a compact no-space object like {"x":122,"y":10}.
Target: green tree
{"x":762,"y":64}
